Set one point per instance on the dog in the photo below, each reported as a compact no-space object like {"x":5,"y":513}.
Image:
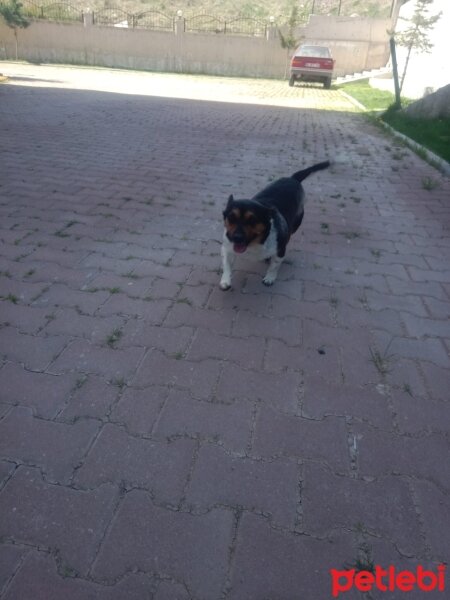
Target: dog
{"x":262,"y":226}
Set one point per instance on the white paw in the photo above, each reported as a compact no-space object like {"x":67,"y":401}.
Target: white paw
{"x":268,"y":280}
{"x":225,"y":285}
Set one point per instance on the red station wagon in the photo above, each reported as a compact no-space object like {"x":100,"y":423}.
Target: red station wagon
{"x":312,"y":63}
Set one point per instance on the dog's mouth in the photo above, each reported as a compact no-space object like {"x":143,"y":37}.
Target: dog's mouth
{"x":239,"y":247}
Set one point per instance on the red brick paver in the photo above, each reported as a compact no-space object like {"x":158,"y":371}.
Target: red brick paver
{"x":163,"y":440}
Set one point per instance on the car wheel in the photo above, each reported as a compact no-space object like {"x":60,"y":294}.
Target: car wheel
{"x":327,"y":83}
{"x":291,"y":81}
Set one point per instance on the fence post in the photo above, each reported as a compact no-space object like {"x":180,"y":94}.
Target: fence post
{"x":398,"y":103}
{"x":179,"y":24}
{"x":271,"y":30}
{"x":88,"y":18}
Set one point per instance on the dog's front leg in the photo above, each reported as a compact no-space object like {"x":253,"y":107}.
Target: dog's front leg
{"x":227,"y":264}
{"x":272,"y":271}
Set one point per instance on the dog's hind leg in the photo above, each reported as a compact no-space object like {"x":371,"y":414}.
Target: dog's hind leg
{"x":272,"y":271}
{"x":227,"y":264}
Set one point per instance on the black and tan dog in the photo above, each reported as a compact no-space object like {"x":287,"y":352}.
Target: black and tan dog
{"x":261,"y":227}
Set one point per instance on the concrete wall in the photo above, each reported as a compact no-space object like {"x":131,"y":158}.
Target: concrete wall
{"x":356,"y":43}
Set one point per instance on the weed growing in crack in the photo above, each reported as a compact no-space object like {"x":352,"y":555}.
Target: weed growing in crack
{"x":113,"y":337}
{"x":428,"y":183}
{"x":381,"y":361}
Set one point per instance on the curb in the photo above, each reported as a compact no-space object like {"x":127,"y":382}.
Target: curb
{"x":354,"y":101}
{"x":430,"y":157}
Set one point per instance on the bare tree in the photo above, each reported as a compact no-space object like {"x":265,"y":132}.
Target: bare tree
{"x":288,"y":40}
{"x":416,"y":35}
{"x":14,"y":18}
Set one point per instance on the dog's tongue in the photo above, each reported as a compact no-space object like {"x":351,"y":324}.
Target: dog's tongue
{"x":239,"y":248}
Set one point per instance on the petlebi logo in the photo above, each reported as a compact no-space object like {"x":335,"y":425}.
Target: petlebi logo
{"x":387,"y":580}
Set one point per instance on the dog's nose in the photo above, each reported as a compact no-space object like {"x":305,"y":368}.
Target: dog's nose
{"x":239,"y":237}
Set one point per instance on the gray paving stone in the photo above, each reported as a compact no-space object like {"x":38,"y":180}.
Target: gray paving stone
{"x":83,"y":357}
{"x":277,"y":434}
{"x":276,"y":564}
{"x":139,"y":409}
{"x":45,"y":394}
{"x":229,"y":424}
{"x":52,"y":516}
{"x":268,"y":487}
{"x":162,"y":541}
{"x":38,"y":578}
{"x":159,"y":369}
{"x":55,"y":447}
{"x":159,"y":466}
{"x":381,"y":453}
{"x":434,"y":507}
{"x":328,"y":502}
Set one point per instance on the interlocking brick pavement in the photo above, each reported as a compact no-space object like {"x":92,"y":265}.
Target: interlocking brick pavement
{"x":163,"y":440}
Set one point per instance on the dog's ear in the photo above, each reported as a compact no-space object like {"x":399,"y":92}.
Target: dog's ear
{"x":228,"y":206}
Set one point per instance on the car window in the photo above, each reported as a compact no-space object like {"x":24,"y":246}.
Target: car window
{"x":317,"y":51}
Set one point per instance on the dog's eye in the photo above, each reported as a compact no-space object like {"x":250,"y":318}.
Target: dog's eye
{"x":231,"y":218}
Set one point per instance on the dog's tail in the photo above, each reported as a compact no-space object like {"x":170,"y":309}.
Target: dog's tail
{"x":301,"y":175}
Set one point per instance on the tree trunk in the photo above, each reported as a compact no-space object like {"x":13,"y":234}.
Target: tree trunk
{"x":17,"y":44}
{"x":405,"y":68}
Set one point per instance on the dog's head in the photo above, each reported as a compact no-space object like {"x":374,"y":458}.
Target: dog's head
{"x":247,"y":223}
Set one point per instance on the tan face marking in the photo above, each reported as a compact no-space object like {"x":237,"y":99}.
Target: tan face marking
{"x":253,"y":229}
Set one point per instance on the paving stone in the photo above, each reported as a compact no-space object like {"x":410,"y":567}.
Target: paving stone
{"x":171,"y":591}
{"x":169,"y":340}
{"x":430,"y":350}
{"x":61,"y":295}
{"x":276,"y":389}
{"x":436,"y":380}
{"x":34,"y":352}
{"x":248,"y":353}
{"x":287,"y":329}
{"x":381,"y":453}
{"x":92,"y":397}
{"x":159,"y":369}
{"x":321,"y":399}
{"x":161,"y":541}
{"x":281,"y":435}
{"x":139,"y":409}
{"x":214,"y":320}
{"x":69,"y":322}
{"x":268,"y":487}
{"x":329,"y":501}
{"x":10,"y":558}
{"x":415,"y":414}
{"x":52,"y":516}
{"x":159,"y":466}
{"x":83,"y":357}
{"x":434,"y":507}
{"x":280,"y":357}
{"x":275,"y":564}
{"x":6,"y":470}
{"x":25,"y":318}
{"x":38,"y":578}
{"x":46,"y":394}
{"x":56,"y":448}
{"x":153,"y":311}
{"x":230,"y":424}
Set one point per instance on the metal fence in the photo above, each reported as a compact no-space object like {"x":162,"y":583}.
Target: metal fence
{"x":57,"y":11}
{"x":156,"y":20}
